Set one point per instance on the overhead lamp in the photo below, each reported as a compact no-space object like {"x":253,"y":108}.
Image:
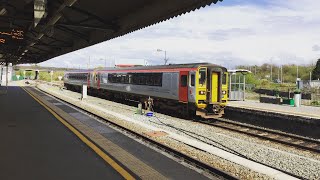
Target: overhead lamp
{"x":69,"y":2}
{"x":26,"y":50}
{"x":23,"y":54}
{"x":40,"y":36}
{"x":54,"y":20}
{"x":32,"y":44}
{"x":3,"y":11}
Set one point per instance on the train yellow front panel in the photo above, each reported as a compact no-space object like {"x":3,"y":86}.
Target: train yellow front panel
{"x":214,"y":87}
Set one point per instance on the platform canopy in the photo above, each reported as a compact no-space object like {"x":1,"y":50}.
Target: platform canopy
{"x":33,"y":31}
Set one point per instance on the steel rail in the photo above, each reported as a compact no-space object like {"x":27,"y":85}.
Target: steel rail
{"x":300,"y":142}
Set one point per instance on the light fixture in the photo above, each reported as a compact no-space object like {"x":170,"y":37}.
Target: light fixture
{"x":69,"y":2}
{"x":23,"y":54}
{"x":26,"y":50}
{"x":32,"y":44}
{"x":3,"y":11}
{"x":54,"y":20}
{"x":40,"y":36}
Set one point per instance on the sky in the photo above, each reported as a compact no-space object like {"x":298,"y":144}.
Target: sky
{"x":229,"y":33}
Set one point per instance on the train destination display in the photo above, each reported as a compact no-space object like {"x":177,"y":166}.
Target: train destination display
{"x":11,"y":36}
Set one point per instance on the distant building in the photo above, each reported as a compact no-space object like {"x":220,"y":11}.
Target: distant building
{"x":312,"y":84}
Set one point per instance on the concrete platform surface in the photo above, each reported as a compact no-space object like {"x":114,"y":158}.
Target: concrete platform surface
{"x":146,"y":157}
{"x":37,"y":146}
{"x":304,"y":111}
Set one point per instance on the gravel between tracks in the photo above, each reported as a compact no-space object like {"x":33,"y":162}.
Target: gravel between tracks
{"x":304,"y":164}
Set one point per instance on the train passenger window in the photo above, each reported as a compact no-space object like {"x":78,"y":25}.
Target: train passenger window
{"x":192,"y":80}
{"x":202,"y":76}
{"x":184,"y":80}
{"x":130,"y":78}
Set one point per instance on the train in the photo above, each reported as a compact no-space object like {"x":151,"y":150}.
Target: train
{"x":197,"y":89}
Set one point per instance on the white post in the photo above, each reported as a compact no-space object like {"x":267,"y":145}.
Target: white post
{"x":7,"y":73}
{"x":310,"y":76}
{"x":51,"y":74}
{"x":244,"y":87}
{"x":84,"y":92}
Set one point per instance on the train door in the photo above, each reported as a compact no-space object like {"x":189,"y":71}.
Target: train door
{"x":214,"y":87}
{"x":183,"y":86}
{"x":97,"y":80}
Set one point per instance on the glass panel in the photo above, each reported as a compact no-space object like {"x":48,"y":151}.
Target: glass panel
{"x":184,"y":80}
{"x":202,"y":76}
{"x":224,"y":78}
{"x":192,"y":83}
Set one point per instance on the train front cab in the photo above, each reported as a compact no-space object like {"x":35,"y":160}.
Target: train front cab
{"x":211,"y":90}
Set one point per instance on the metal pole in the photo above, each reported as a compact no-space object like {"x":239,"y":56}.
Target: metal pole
{"x":244,"y":87}
{"x":281,"y":75}
{"x":271,"y":72}
{"x":278,"y":73}
{"x":89,"y":63}
{"x":230,"y":83}
{"x":165,"y":57}
{"x":297,"y":71}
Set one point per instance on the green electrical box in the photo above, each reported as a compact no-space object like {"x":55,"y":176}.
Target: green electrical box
{"x":288,"y":101}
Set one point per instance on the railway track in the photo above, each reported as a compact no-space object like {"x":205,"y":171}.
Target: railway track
{"x":275,"y":136}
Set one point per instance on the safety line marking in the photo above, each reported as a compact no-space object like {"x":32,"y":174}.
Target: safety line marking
{"x":96,"y":149}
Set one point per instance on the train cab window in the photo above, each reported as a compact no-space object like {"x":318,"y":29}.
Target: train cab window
{"x":224,"y":78}
{"x":202,"y":76}
{"x":192,"y":80}
{"x":184,"y":80}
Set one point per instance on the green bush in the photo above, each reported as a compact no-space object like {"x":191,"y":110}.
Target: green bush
{"x":315,"y":103}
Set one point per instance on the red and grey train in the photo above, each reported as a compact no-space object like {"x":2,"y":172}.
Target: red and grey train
{"x":183,"y":88}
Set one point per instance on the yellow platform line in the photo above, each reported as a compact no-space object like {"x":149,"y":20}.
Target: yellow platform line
{"x":96,"y":149}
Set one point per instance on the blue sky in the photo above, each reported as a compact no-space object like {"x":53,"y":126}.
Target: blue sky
{"x":228,"y":33}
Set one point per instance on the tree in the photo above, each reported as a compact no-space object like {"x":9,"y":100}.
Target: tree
{"x":316,"y":71}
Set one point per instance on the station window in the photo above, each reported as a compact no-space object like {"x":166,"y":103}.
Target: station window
{"x":184,"y":80}
{"x":192,"y":80}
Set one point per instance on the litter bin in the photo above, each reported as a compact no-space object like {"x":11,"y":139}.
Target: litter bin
{"x":297,"y":99}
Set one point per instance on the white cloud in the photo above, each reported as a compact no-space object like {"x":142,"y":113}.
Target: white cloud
{"x":285,"y":31}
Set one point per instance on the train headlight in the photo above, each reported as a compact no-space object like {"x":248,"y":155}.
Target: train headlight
{"x":224,"y":92}
{"x":202,"y":92}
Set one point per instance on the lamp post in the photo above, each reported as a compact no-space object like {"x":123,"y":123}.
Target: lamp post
{"x":105,"y":62}
{"x":165,"y":56}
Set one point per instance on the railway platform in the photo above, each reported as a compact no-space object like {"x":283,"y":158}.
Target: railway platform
{"x":47,"y":139}
{"x":303,"y":120}
{"x":304,"y":111}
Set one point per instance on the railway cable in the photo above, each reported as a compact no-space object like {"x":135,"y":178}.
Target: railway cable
{"x":193,"y":135}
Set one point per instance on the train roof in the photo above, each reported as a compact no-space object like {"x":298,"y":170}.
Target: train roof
{"x":170,"y":66}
